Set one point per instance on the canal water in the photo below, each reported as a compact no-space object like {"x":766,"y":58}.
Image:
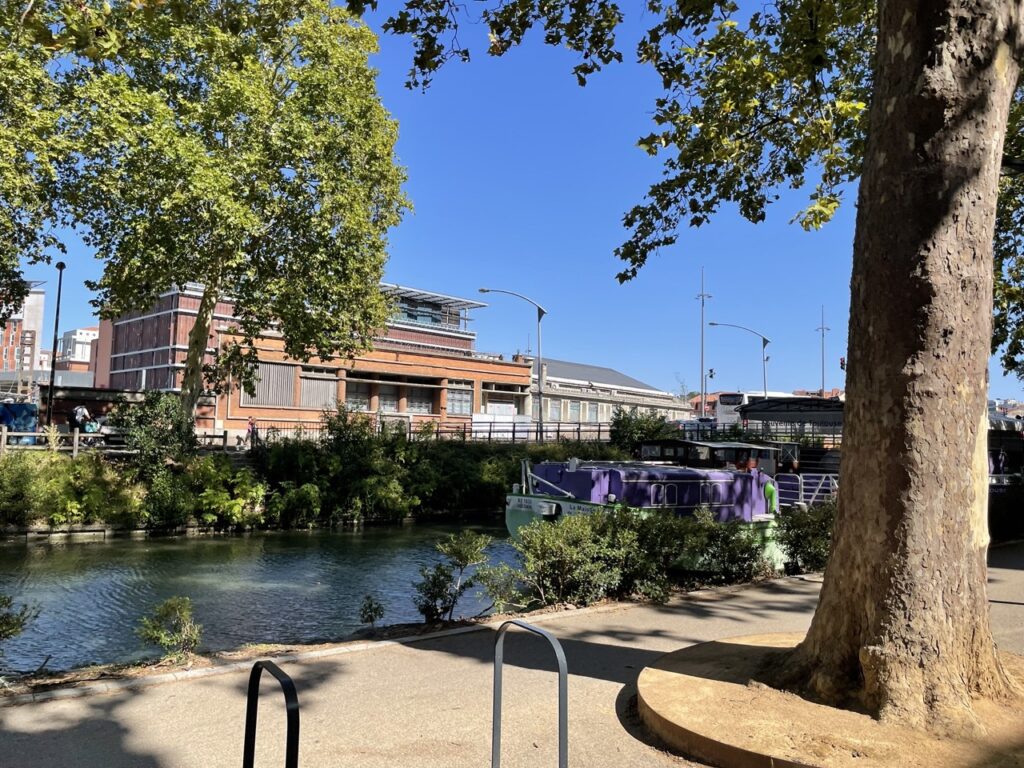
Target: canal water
{"x":259,"y":588}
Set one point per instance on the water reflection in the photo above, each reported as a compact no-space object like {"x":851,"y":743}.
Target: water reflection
{"x":261,"y":588}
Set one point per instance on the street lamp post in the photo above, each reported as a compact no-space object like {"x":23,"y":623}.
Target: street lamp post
{"x":823,"y":328}
{"x":53,"y":350}
{"x":765,"y":341}
{"x":703,"y":390}
{"x":540,"y":356}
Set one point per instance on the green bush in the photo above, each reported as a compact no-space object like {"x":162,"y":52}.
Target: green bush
{"x":436,"y":594}
{"x":159,"y":430}
{"x":291,"y":507}
{"x":225,"y":498}
{"x":805,"y":535}
{"x":170,"y":501}
{"x":47,"y":487}
{"x":727,"y":553}
{"x":172,"y":627}
{"x":569,"y":561}
{"x":628,"y":429}
{"x":13,"y":620}
{"x":371,"y":611}
{"x":442,"y":586}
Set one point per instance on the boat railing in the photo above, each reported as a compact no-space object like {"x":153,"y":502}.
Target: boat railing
{"x":808,"y":488}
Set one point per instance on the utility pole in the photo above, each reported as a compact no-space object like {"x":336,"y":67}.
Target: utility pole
{"x":703,"y":386}
{"x":823,"y":329}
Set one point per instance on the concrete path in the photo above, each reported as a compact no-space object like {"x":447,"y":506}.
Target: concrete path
{"x":426,"y":704}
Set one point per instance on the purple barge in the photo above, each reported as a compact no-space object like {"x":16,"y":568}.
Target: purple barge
{"x":553,"y":489}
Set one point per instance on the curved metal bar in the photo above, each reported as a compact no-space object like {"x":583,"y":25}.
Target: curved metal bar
{"x":291,"y":704}
{"x":563,"y":692}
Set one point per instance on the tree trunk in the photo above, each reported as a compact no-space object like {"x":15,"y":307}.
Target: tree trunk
{"x":902,"y":626}
{"x":198,"y":340}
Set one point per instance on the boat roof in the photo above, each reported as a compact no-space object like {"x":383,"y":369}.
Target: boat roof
{"x":712,"y":445}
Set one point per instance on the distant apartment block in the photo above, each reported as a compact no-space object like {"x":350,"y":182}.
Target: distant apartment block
{"x":582,"y":393}
{"x":424,"y":366}
{"x":22,"y":335}
{"x":74,"y":349}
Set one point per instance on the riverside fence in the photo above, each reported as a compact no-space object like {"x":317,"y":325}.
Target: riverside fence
{"x":515,"y":432}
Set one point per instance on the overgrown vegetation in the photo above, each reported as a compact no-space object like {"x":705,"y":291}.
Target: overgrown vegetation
{"x":357,"y":473}
{"x":581,"y":559}
{"x":172,"y":627}
{"x":806,"y":535}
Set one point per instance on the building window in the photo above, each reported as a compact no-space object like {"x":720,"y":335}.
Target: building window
{"x":460,"y":402}
{"x":574,"y":410}
{"x":357,"y":397}
{"x":554,"y":409}
{"x":275,"y":386}
{"x":387,"y":398}
{"x":420,"y":400}
{"x":318,"y":391}
{"x":592,"y":412}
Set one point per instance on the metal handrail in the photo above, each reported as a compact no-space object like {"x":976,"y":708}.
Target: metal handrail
{"x":563,"y":693}
{"x":291,"y":703}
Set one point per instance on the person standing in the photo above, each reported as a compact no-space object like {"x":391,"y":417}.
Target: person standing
{"x":81,"y":417}
{"x":252,"y":434}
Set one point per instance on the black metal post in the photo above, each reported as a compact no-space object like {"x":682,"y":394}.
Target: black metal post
{"x":291,"y":704}
{"x":53,"y":351}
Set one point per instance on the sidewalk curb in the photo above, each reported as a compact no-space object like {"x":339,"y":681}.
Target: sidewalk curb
{"x":136,"y":684}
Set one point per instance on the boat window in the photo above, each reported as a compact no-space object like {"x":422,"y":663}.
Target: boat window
{"x":702,"y":452}
{"x":671,"y":495}
{"x":657,"y":494}
{"x":649,"y":451}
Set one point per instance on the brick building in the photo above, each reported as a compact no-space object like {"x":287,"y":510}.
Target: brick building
{"x":424,"y":366}
{"x":22,"y":334}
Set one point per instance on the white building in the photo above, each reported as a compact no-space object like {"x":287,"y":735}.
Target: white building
{"x":589,"y":394}
{"x":74,"y":348}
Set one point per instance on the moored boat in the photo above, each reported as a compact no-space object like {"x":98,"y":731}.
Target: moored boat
{"x":550,"y":490}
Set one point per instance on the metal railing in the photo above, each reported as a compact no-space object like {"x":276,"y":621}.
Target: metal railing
{"x":76,"y":441}
{"x":291,"y":706}
{"x":807,"y":488}
{"x":563,"y":692}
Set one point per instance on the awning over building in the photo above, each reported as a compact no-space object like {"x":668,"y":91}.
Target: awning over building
{"x":794,"y":410}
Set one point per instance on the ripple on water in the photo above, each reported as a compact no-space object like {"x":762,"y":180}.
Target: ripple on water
{"x":269,"y":588}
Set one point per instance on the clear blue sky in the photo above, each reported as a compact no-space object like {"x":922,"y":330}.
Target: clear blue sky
{"x":519,"y":179}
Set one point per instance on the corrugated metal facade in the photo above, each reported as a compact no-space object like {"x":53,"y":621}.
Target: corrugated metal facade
{"x":276,"y":386}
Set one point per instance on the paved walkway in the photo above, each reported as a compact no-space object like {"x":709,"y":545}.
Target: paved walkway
{"x":426,"y":704}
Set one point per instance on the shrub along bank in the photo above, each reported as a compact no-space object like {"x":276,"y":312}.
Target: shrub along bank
{"x":356,"y":473}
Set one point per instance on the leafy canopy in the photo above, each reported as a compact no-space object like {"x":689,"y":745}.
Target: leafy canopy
{"x":235,"y":143}
{"x":757,"y":97}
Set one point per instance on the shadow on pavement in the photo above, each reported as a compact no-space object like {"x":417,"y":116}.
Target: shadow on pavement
{"x":59,"y":743}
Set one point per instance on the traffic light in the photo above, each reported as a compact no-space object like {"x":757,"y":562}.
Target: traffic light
{"x":842,"y":363}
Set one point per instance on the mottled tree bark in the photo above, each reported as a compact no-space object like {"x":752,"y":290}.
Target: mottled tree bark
{"x":902,"y":626}
{"x":198,"y":340}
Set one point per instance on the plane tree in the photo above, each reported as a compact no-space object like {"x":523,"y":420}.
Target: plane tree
{"x":914,"y":99}
{"x":237,"y":144}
